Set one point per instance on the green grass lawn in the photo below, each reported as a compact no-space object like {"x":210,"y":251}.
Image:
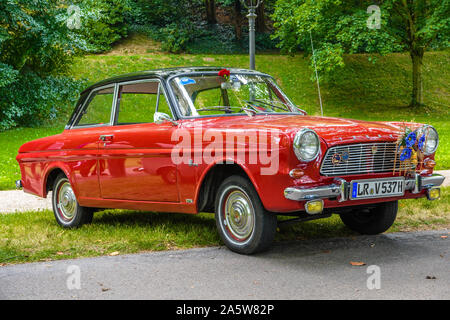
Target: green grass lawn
{"x":35,"y":236}
{"x":363,"y":90}
{"x":10,"y":142}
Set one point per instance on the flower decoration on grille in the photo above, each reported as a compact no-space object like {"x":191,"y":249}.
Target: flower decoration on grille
{"x":421,"y":143}
{"x":405,"y":154}
{"x":410,"y":150}
{"x":411,"y":140}
{"x":225,"y":73}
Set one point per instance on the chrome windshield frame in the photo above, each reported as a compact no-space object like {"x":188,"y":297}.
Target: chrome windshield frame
{"x":215,"y":73}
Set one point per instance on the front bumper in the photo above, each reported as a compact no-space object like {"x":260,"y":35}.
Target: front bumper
{"x":339,"y":189}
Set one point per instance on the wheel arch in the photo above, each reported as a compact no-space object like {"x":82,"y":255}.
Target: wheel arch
{"x":211,"y":179}
{"x":51,"y":174}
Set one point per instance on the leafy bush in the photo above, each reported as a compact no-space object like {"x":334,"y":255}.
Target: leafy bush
{"x":167,"y":21}
{"x":159,"y":13}
{"x":175,"y":37}
{"x":214,"y":39}
{"x":220,"y":39}
{"x":102,"y":23}
{"x":32,"y":100}
{"x":36,"y":50}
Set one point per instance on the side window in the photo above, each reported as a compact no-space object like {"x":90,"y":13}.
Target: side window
{"x":98,"y":109}
{"x":138,"y":102}
{"x":184,"y":107}
{"x":164,"y":105}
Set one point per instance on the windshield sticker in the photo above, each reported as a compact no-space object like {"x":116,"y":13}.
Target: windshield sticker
{"x":186,"y":81}
{"x":234,"y":79}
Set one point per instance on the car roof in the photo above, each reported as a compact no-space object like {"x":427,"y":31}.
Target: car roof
{"x":164,"y":74}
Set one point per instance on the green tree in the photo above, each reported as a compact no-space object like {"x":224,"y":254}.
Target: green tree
{"x":340,"y":27}
{"x":417,"y":24}
{"x":36,"y":50}
{"x":239,"y":13}
{"x":210,"y":6}
{"x":157,"y":12}
{"x":102,"y":23}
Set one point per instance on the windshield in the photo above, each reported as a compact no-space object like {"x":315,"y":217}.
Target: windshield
{"x":214,"y":94}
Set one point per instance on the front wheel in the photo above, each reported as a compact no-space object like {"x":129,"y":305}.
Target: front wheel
{"x":371,"y":221}
{"x":68,"y":213}
{"x":243,"y":224}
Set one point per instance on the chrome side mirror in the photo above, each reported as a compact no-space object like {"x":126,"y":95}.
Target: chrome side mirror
{"x":160,"y":118}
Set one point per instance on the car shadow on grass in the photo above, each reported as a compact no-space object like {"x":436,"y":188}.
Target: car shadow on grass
{"x":142,"y":218}
{"x":204,"y":224}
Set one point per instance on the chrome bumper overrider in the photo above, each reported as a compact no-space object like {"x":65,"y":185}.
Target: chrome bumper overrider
{"x":339,"y":189}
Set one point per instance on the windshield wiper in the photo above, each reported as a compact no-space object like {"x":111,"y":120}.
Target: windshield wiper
{"x":273,"y":106}
{"x":227,"y":109}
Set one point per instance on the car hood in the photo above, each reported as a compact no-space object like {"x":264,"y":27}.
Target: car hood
{"x":333,"y":131}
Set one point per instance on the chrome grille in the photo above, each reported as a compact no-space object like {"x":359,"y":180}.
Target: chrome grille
{"x":362,"y":159}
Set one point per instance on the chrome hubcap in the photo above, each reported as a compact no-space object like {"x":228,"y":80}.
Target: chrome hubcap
{"x":67,"y":203}
{"x":239,"y":215}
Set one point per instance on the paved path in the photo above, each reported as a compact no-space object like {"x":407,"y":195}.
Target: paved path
{"x":19,"y":201}
{"x":313,"y":269}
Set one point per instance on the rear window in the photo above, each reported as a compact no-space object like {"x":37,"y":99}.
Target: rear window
{"x":97,"y":110}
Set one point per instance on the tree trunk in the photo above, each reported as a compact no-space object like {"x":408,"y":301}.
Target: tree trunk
{"x":261,"y":19}
{"x":210,"y":11}
{"x":417,"y":90}
{"x":238,"y":19}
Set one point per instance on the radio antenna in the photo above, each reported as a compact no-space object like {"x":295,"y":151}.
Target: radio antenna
{"x":317,"y":74}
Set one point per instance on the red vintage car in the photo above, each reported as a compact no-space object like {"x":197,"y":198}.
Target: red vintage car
{"x":228,"y":141}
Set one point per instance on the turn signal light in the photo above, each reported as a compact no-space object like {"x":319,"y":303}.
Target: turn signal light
{"x":434,"y":193}
{"x":296,"y":173}
{"x":429,"y":163}
{"x":314,"y":206}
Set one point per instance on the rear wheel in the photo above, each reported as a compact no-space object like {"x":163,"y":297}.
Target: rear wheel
{"x":243,"y":224}
{"x":68,"y":213}
{"x":372,"y":221}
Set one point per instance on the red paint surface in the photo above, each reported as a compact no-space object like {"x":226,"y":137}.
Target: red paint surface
{"x":134,"y":169}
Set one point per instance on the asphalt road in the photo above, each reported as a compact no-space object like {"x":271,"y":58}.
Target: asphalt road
{"x":313,"y":269}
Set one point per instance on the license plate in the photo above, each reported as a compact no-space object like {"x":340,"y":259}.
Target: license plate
{"x":377,"y":188}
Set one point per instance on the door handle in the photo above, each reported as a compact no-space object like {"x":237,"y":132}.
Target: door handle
{"x":107,"y":137}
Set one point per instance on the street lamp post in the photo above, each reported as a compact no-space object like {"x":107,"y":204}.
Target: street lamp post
{"x":252,"y":5}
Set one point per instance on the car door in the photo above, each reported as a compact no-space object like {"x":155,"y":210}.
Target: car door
{"x":135,"y":155}
{"x":82,"y":143}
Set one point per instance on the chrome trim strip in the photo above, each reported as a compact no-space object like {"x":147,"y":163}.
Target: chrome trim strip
{"x":304,"y":194}
{"x":115,"y":103}
{"x":435,"y":180}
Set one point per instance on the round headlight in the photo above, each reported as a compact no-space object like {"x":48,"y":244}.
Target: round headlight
{"x":431,"y":139}
{"x":306,"y":145}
